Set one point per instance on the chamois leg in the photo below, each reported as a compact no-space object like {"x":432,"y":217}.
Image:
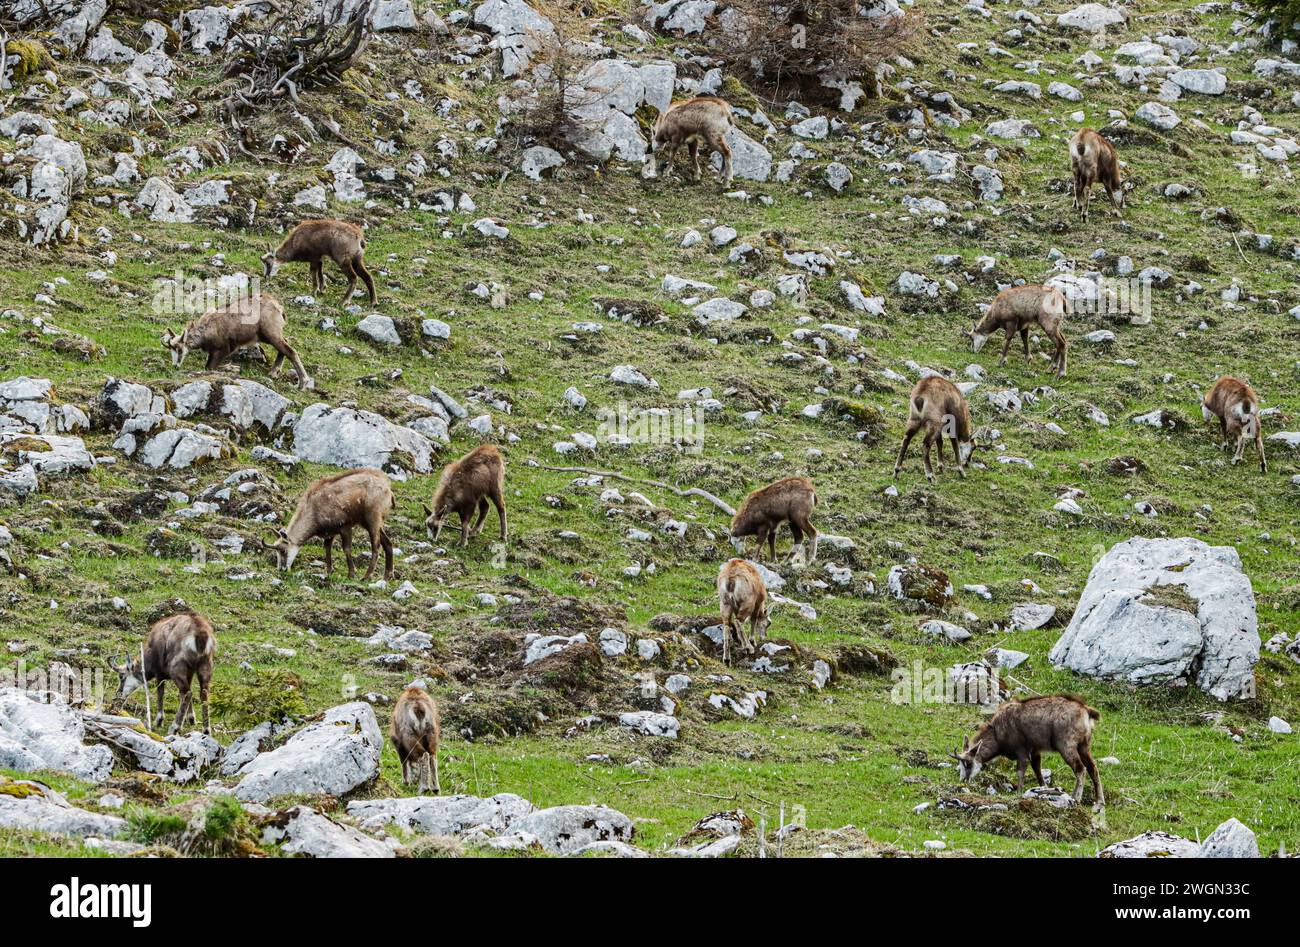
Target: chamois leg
{"x":693,"y":149}
{"x":1024,"y":340}
{"x":432,"y":759}
{"x":1071,"y":756}
{"x":771,"y":542}
{"x":1240,"y":448}
{"x":329,"y":557}
{"x":902,"y":451}
{"x":719,"y":144}
{"x":182,"y":709}
{"x":726,"y":639}
{"x":285,"y":350}
{"x":317,"y":276}
{"x":499,"y":503}
{"x":1006,"y":346}
{"x":275,"y":367}
{"x":482,"y":515}
{"x":345,"y":538}
{"x":205,"y":679}
{"x":1086,"y":754}
{"x":158,"y":719}
{"x":359,"y":266}
{"x":1022,"y":763}
{"x":925,"y":452}
{"x":670,"y":157}
{"x":350,"y":272}
{"x":811,"y":531}
{"x":386,"y":542}
{"x":1058,"y":337}
{"x":1036,"y":760}
{"x":1259,"y":443}
{"x":374,"y":529}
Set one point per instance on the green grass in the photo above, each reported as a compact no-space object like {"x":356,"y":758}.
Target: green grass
{"x":843,"y":754}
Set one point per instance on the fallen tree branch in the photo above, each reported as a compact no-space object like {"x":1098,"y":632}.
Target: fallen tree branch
{"x":615,"y":475}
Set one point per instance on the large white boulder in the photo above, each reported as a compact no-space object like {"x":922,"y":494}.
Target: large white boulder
{"x":441,"y":815}
{"x":1134,"y":620}
{"x":332,"y":757}
{"x":304,"y":831}
{"x":34,"y":807}
{"x":564,"y":830}
{"x":1091,"y":18}
{"x":36,"y":735}
{"x":1152,"y":845}
{"x":348,"y":437}
{"x":1230,"y":840}
{"x":519,"y":31}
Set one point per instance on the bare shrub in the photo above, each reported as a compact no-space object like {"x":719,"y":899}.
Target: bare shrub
{"x":801,"y":41}
{"x":546,"y":108}
{"x":295,"y":50}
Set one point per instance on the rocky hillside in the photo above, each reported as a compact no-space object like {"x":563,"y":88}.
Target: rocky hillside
{"x":646,"y":350}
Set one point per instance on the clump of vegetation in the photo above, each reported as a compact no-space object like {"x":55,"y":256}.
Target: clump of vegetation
{"x":262,"y":695}
{"x":1286,"y":12}
{"x":28,"y":57}
{"x":1021,"y":818}
{"x":1172,"y":596}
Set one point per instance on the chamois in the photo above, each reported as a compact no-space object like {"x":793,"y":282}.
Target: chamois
{"x":314,"y":240}
{"x":1236,"y":406}
{"x":789,"y":500}
{"x":222,"y":331}
{"x":178,"y":649}
{"x":1016,"y":310}
{"x":703,"y":120}
{"x":938,"y":406}
{"x":1093,"y":161}
{"x":330,"y":509}
{"x":466,"y":485}
{"x":1022,"y":730}
{"x":415,"y":733}
{"x":743,"y":598}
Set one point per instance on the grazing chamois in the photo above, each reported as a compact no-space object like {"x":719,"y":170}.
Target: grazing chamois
{"x":314,"y":240}
{"x":1022,"y":730}
{"x":789,"y":500}
{"x":1236,"y":406}
{"x":938,"y":406}
{"x":743,"y":598}
{"x":1016,"y":310}
{"x":415,"y":733}
{"x":703,"y":120}
{"x":220,"y":332}
{"x":330,"y":509}
{"x":466,"y":485}
{"x":1093,"y":161}
{"x":178,"y":649}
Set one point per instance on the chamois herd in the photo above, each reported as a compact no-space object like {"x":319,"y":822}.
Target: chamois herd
{"x":182,"y":647}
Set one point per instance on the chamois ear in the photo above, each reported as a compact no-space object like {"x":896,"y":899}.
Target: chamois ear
{"x":427,"y":512}
{"x":282,"y":534}
{"x":965,"y":744}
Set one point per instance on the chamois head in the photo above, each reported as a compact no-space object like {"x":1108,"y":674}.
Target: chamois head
{"x":286,"y":550}
{"x":968,"y":759}
{"x":977,"y":338}
{"x":270,"y":262}
{"x":130,"y":676}
{"x":177,"y":344}
{"x":433,"y":520}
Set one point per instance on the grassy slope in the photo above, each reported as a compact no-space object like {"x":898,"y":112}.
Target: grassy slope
{"x":840,"y":754}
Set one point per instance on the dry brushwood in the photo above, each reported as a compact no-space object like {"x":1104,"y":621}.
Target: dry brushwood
{"x":293,"y":51}
{"x":800,"y":42}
